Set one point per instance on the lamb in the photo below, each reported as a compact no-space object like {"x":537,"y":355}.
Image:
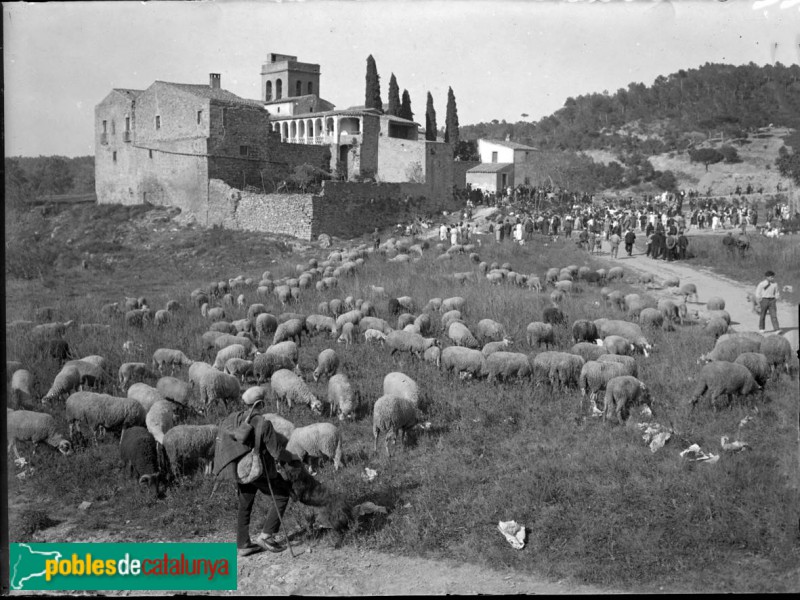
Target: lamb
{"x":455,"y":303}
{"x":716,"y":327}
{"x":341,"y":397}
{"x":628,"y":361}
{"x":558,"y":368}
{"x":538,"y":333}
{"x":284,"y":355}
{"x":595,"y":375}
{"x":751,"y":298}
{"x":490,"y":331}
{"x":434,"y":304}
{"x":460,"y":335}
{"x":723,"y":378}
{"x":778,"y":351}
{"x":289,"y":330}
{"x":145,"y":395}
{"x":243,"y":339}
{"x":215,"y":385}
{"x":371,"y":335}
{"x":493,"y":347}
{"x":35,"y":427}
{"x":534,"y":283}
{"x":375,"y":323}
{"x":347,"y":337}
{"x":463,"y":361}
{"x":21,"y":388}
{"x":138,"y":452}
{"x":715,"y":303}
{"x":283,"y":427}
{"x":320,"y":440}
{"x":502,"y":366}
{"x":66,"y":381}
{"x":239,"y":367}
{"x":433,"y":355}
{"x":728,"y":350}
{"x":162,"y":318}
{"x":228,"y":352}
{"x":188,"y":446}
{"x":616,"y":344}
{"x":174,"y":389}
{"x":168,"y":357}
{"x":402,"y":386}
{"x":584,"y":330}
{"x":630,"y":331}
{"x":393,"y":416}
{"x":671,"y":281}
{"x":554,"y":316}
{"x":404,"y":341}
{"x":128,"y":371}
{"x":321,"y":324}
{"x":757,"y":364}
{"x":615,"y":273}
{"x":91,"y":371}
{"x":588,"y":351}
{"x":687,"y":290}
{"x":289,"y":387}
{"x":101,"y":413}
{"x":352,"y":316}
{"x":327,"y":364}
{"x":622,"y":394}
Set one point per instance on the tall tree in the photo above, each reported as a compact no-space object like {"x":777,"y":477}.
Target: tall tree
{"x":405,"y":107}
{"x":373,"y":92}
{"x":430,"y":120}
{"x":394,"y":97}
{"x":451,"y":121}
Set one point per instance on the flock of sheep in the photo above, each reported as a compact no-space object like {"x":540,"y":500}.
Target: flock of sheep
{"x":229,"y":367}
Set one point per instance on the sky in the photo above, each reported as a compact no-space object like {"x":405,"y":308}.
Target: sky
{"x":505,"y":59}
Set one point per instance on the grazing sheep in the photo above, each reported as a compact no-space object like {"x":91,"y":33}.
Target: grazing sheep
{"x":371,"y":335}
{"x":407,"y":303}
{"x":216,"y":385}
{"x":687,"y":290}
{"x":21,"y":388}
{"x":493,"y":347}
{"x":347,"y":337}
{"x":728,"y":350}
{"x":557,"y":368}
{"x":434,"y":304}
{"x":488,"y":330}
{"x":584,"y":330}
{"x":91,"y":371}
{"x":534,"y":283}
{"x":751,"y":335}
{"x":455,"y":303}
{"x":229,"y":352}
{"x":622,"y":394}
{"x":554,"y":316}
{"x":101,"y":413}
{"x":375,"y":323}
{"x":190,"y":446}
{"x":128,"y":371}
{"x":162,"y":317}
{"x":242,"y":339}
{"x":341,"y":397}
{"x":254,"y":394}
{"x":288,"y":386}
{"x":139,"y":454}
{"x":588,"y":350}
{"x":266,"y":324}
{"x":616,"y":344}
{"x":719,"y":314}
{"x":715,"y":303}
{"x":34,"y":427}
{"x":503,"y":366}
{"x":630,"y":331}
{"x":652,"y":317}
{"x":321,"y":324}
{"x":137,"y":317}
{"x":757,"y":364}
{"x":723,"y":378}
{"x":401,"y":385}
{"x":628,"y":361}
{"x":462,"y":361}
{"x":327,"y":364}
{"x":319,"y":440}
{"x":393,"y":416}
{"x":289,"y":330}
{"x":538,"y":333}
{"x":404,"y":320}
{"x":451,"y":316}
{"x":283,"y":427}
{"x":778,"y":351}
{"x":175,"y":389}
{"x":284,"y":355}
{"x":168,"y":357}
{"x":352,"y":316}
{"x":66,"y":381}
{"x":244,"y":325}
{"x":413,"y":343}
{"x":160,"y":419}
{"x":239,"y":367}
{"x":433,"y":355}
{"x":716,"y":327}
{"x":671,"y":311}
{"x":615,"y":273}
{"x":460,"y":335}
{"x":671,"y":281}
{"x":145,"y":395}
{"x":595,"y":375}
{"x":616,"y":299}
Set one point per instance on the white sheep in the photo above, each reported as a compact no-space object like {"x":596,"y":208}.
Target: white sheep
{"x":757,"y":364}
{"x":321,"y":324}
{"x":538,"y":333}
{"x":393,"y":416}
{"x":401,"y":385}
{"x":433,"y":355}
{"x":558,"y":368}
{"x":373,"y":335}
{"x":616,"y":344}
{"x":628,"y":361}
{"x":460,"y":335}
{"x":164,"y":357}
{"x":66,"y":381}
{"x":622,"y":394}
{"x":190,"y":445}
{"x":35,"y":427}
{"x":160,"y":419}
{"x":238,"y":367}
{"x":778,"y":351}
{"x":175,"y":389}
{"x":374,"y":323}
{"x":289,"y":330}
{"x":488,"y":330}
{"x":21,"y":388}
{"x":454,"y":303}
{"x":729,"y":349}
{"x":595,"y":375}
{"x":630,"y":331}
{"x":91,"y":371}
{"x":288,"y":386}
{"x":101,"y":413}
{"x":715,"y":303}
{"x":283,"y":355}
{"x":341,"y":398}
{"x":413,"y":343}
{"x":225,"y":340}
{"x":493,"y":347}
{"x":319,"y":440}
{"x":720,"y":378}
{"x":283,"y":427}
{"x":588,"y":350}
{"x":451,"y":316}
{"x":463,"y":361}
{"x":215,"y":385}
{"x":129,"y":370}
{"x":347,"y":337}
{"x":144,"y":394}
{"x":503,"y":366}
{"x":254,"y":394}
{"x":327,"y":364}
{"x":266,"y":324}
{"x":228,"y":352}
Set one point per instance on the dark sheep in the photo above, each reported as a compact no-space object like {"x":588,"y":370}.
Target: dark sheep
{"x":554,"y":316}
{"x":395,"y":308}
{"x":138,"y":452}
{"x":584,"y":330}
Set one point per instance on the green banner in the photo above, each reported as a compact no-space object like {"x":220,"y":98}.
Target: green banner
{"x":88,"y":566}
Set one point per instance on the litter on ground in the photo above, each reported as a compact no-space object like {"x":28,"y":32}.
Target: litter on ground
{"x":734,"y":446}
{"x":513,"y":532}
{"x":694,"y":453}
{"x":369,"y":474}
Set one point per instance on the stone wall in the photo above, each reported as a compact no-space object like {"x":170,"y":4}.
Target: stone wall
{"x":460,"y":168}
{"x":399,"y":160}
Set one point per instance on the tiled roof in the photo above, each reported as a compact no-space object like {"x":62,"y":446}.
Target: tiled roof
{"x":216,"y":94}
{"x":490,"y":167}
{"x":127,"y":92}
{"x":513,"y":145}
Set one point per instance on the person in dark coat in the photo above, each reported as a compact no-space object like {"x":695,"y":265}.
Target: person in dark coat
{"x":657,"y":244}
{"x":683,"y":243}
{"x":630,"y":238}
{"x":228,"y":451}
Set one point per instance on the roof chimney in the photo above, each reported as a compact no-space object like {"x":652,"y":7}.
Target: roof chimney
{"x":214,"y":81}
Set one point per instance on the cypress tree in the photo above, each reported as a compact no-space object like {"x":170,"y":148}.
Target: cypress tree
{"x":394,"y":97}
{"x":373,"y":92}
{"x":451,"y":120}
{"x":405,"y":107}
{"x":430,"y":120}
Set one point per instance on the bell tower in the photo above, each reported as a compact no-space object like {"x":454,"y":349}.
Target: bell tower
{"x":282,"y":76}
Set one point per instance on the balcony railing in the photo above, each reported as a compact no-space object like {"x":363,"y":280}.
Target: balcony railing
{"x":104,"y":139}
{"x":126,"y":136}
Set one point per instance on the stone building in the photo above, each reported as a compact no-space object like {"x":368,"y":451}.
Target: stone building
{"x":503,"y":164}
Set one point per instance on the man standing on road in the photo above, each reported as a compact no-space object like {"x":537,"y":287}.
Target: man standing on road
{"x":767,"y":297}
{"x":615,"y":240}
{"x":630,"y":238}
{"x":683,"y":243}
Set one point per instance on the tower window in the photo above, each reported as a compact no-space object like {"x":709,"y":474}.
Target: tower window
{"x":150,"y":153}
{"x":278,"y":89}
{"x":199,"y":116}
{"x":268,"y":94}
{"x":158,"y":121}
{"x":105,"y":126}
{"x":127,"y":123}
{"x":114,"y":156}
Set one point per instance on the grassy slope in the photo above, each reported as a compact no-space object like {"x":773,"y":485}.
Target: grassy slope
{"x":600,"y":506}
